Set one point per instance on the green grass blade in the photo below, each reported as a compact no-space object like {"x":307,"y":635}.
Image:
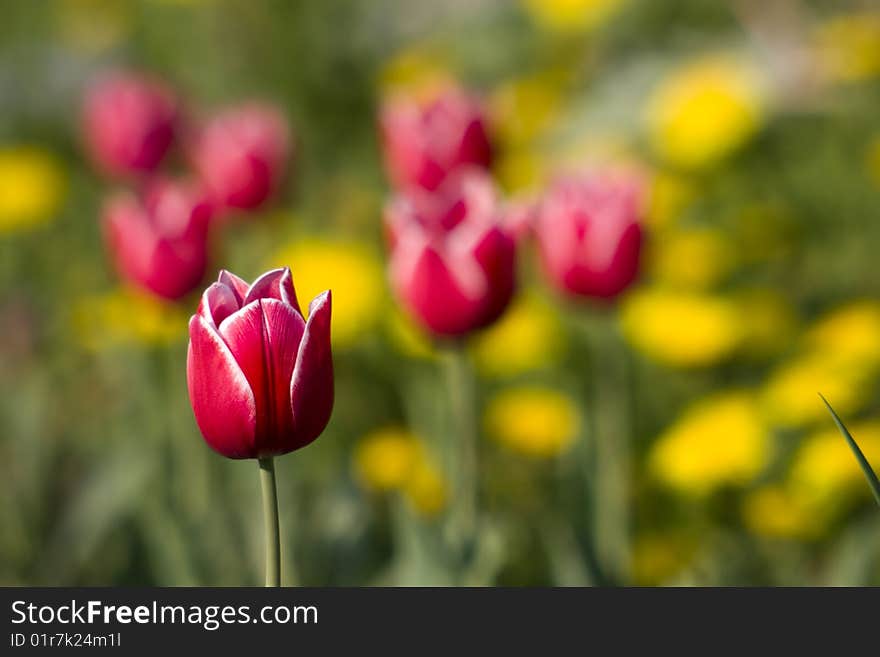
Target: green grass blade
{"x":870,"y":475}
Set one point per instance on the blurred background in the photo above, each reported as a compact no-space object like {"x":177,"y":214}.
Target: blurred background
{"x":757,"y":124}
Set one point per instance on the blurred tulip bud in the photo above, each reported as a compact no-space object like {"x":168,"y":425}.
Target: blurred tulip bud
{"x":589,"y":234}
{"x":241,"y":155}
{"x":260,"y":377}
{"x":159,"y":240}
{"x":452,"y":260}
{"x":129,"y":123}
{"x":425,"y":141}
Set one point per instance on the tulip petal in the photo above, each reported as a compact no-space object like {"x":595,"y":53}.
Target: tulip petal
{"x":264,"y":338}
{"x":275,"y":284}
{"x":311,"y":389}
{"x":496,"y":254}
{"x":433,"y":293}
{"x":218,"y":302}
{"x":236,"y":284}
{"x":221,"y":397}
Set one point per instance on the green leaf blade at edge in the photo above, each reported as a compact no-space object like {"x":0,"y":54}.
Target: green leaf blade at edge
{"x":870,"y":475}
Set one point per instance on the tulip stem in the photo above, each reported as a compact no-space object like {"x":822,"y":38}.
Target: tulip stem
{"x":461,"y":393}
{"x":270,"y":517}
{"x":611,"y":437}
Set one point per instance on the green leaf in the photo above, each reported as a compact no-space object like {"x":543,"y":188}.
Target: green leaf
{"x":870,"y":475}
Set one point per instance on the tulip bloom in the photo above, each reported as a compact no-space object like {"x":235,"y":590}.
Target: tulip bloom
{"x":452,"y":260}
{"x":590,"y":236}
{"x":159,"y":241}
{"x":129,"y":123}
{"x":241,"y":155}
{"x":260,"y":377}
{"x":425,"y":142}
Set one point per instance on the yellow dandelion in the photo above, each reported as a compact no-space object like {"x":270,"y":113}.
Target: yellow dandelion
{"x":684,"y":329}
{"x":789,"y":396}
{"x":534,"y":421}
{"x":126,"y":316}
{"x":848,"y":46}
{"x":825,"y":471}
{"x":850,"y":333}
{"x":426,"y":489}
{"x":774,"y":511}
{"x":384,"y":459}
{"x":528,"y":337}
{"x":704,"y":112}
{"x":571,"y":15}
{"x":353,"y":274}
{"x":32,"y":187}
{"x":719,"y":441}
{"x":694,"y":258}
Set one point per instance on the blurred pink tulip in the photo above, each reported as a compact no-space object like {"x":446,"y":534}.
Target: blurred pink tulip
{"x":241,"y":155}
{"x":129,"y":123}
{"x":452,"y":260}
{"x":159,"y":241}
{"x":589,"y":233}
{"x":260,"y":377}
{"x":424,"y":142}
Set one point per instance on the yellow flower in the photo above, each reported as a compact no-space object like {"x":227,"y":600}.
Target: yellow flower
{"x":659,"y":557}
{"x":704,"y":112}
{"x":536,"y":422}
{"x":776,"y":512}
{"x":719,"y":441}
{"x":849,"y":46}
{"x":571,"y":15}
{"x":395,"y":459}
{"x":850,"y":333}
{"x":350,"y":271}
{"x":682,"y":329}
{"x":668,"y":197}
{"x":694,"y":258}
{"x":32,"y":187}
{"x":825,"y":470}
{"x":528,"y":337}
{"x":425,"y":489}
{"x":384,"y":459}
{"x":769,"y":321}
{"x":789,"y":396}
{"x":125,"y":316}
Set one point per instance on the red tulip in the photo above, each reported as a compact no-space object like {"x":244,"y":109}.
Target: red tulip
{"x":260,"y":378}
{"x":452,"y":260}
{"x":589,"y":234}
{"x":241,"y":155}
{"x":425,"y":142}
{"x":159,"y":241}
{"x":129,"y":123}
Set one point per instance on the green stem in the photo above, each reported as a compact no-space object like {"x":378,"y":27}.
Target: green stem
{"x":270,"y":517}
{"x":611,"y":438}
{"x":461,"y":392}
